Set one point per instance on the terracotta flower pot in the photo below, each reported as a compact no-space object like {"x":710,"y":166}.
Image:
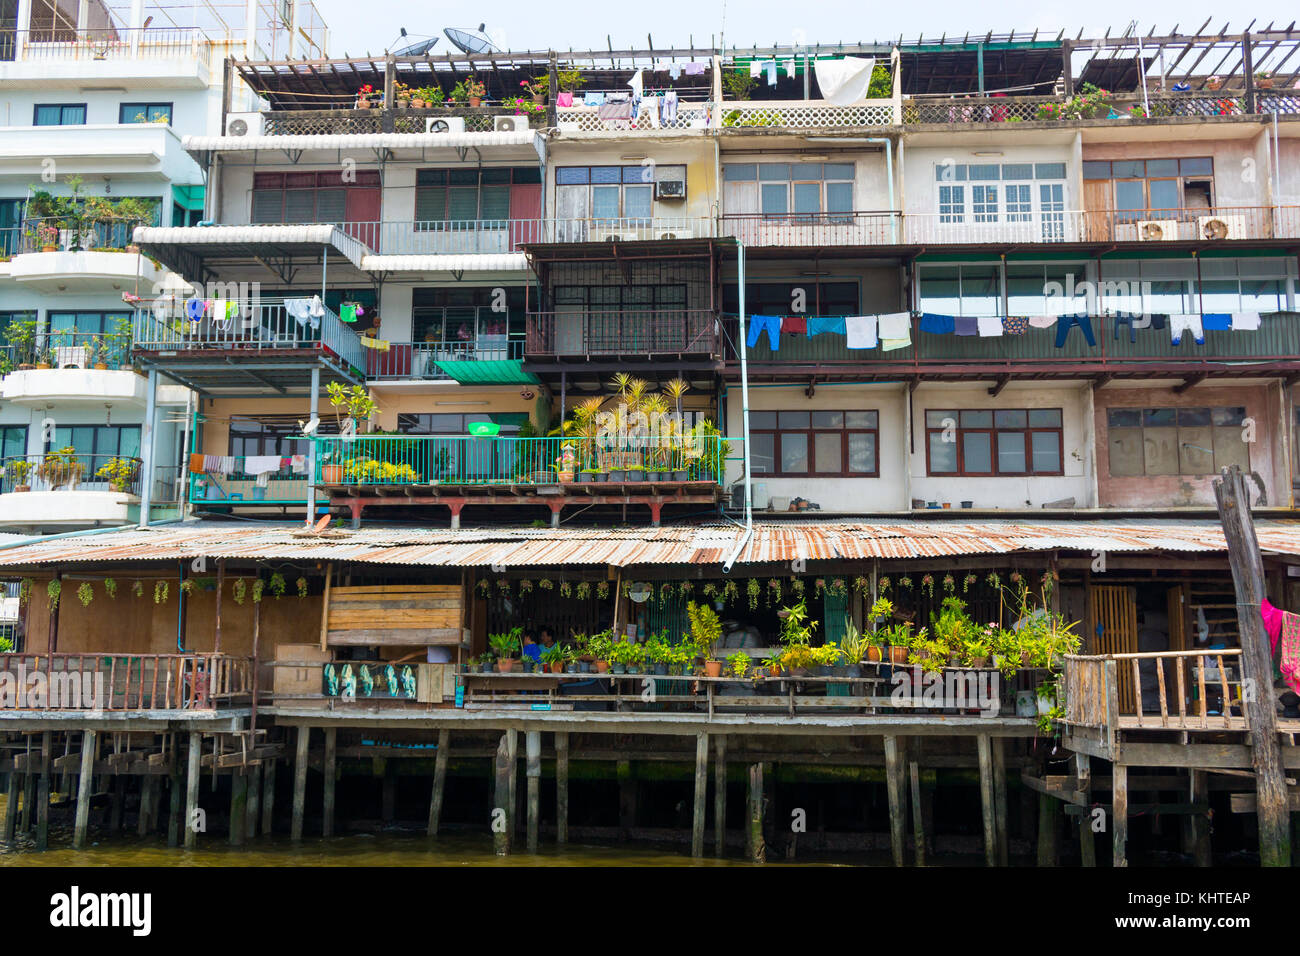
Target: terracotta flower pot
{"x":557,"y":668}
{"x":897,"y":654}
{"x":873,"y":654}
{"x":475,"y":101}
{"x":602,"y":667}
{"x":505,"y":666}
{"x":22,"y":487}
{"x":713,"y":668}
{"x":333,"y":474}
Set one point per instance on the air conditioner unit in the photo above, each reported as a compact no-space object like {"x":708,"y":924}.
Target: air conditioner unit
{"x":244,"y":124}
{"x":1157,"y":230}
{"x":509,"y":124}
{"x":618,"y":237}
{"x":444,"y":124}
{"x":670,"y":189}
{"x":676,"y":234}
{"x":1221,"y":227}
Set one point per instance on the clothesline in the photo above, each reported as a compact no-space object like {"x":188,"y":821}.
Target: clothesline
{"x":261,"y":467}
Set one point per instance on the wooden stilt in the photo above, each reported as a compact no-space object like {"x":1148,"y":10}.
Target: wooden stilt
{"x":146,"y":805}
{"x":562,"y":787}
{"x":512,"y":745}
{"x":189,"y":823}
{"x":439,"y":781}
{"x":894,"y":790}
{"x":719,"y":794}
{"x":918,"y":817}
{"x":268,"y":798}
{"x":388,"y":810}
{"x":1087,"y":839}
{"x":701,"y":793}
{"x":626,"y":798}
{"x":29,"y":802}
{"x":254,"y":802}
{"x":43,"y":795}
{"x":503,"y":809}
{"x":1119,"y":813}
{"x":1196,"y":830}
{"x":533,"y":776}
{"x":984,"y":744}
{"x":83,"y":789}
{"x":174,"y":787}
{"x":1000,"y":800}
{"x":331,"y":740}
{"x":11,"y":809}
{"x":119,"y":803}
{"x":300,"y":783}
{"x":238,"y":806}
{"x":754,"y":824}
{"x":1048,"y":813}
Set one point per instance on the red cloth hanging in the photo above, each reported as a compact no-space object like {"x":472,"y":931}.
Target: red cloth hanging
{"x":794,"y":325}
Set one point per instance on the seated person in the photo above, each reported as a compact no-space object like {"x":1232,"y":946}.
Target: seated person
{"x":531,"y":648}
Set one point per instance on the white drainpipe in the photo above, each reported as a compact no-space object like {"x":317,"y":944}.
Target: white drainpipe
{"x":744,"y":413}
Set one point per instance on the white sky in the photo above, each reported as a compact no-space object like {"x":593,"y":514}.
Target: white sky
{"x":373,"y":26}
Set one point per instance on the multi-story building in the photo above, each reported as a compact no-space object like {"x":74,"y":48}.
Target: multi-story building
{"x":94,"y":103}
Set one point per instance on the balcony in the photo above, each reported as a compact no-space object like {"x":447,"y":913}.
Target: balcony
{"x":480,"y":119}
{"x":573,"y":335}
{"x":815,"y":230}
{"x":63,"y":490}
{"x":497,"y":360}
{"x":108,"y":681}
{"x":597,"y":119}
{"x":1116,"y":108}
{"x":1145,"y":352}
{"x":258,"y":346}
{"x":239,"y":489}
{"x":66,"y":57}
{"x":806,"y":114}
{"x":76,"y":254}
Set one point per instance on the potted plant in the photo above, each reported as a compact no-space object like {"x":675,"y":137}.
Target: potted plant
{"x":1264,"y":80}
{"x":738,"y":664}
{"x":660,"y":653}
{"x":402,"y":93}
{"x":60,"y":468}
{"x":506,"y":645}
{"x":21,"y":334}
{"x":854,"y":645}
{"x":554,"y":658}
{"x":634,"y":473}
{"x":474,"y":91}
{"x":706,"y":631}
{"x":118,"y":472}
{"x":633,"y":657}
{"x":16,"y":471}
{"x":363,"y":96}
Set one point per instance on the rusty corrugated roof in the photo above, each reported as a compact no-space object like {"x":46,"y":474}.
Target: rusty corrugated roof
{"x":773,"y":541}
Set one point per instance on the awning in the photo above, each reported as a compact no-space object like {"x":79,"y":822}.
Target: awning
{"x":468,"y":262}
{"x":488,"y":372}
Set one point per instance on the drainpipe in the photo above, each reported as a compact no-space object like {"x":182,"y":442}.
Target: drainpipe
{"x":744,"y":412}
{"x":147,"y":441}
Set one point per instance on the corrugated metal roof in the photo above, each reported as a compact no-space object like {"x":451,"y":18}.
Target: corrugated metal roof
{"x":773,"y":541}
{"x":235,"y":235}
{"x":467,"y":262}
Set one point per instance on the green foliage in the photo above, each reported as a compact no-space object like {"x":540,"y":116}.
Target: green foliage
{"x":53,"y":590}
{"x":85,"y":593}
{"x":738,"y":84}
{"x":738,"y":663}
{"x":706,"y":629}
{"x":796,"y":628}
{"x":507,"y":643}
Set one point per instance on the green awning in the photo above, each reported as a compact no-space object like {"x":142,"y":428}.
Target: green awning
{"x":488,"y":372}
{"x":188,"y":197}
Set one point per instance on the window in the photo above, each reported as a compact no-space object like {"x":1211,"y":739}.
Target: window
{"x":626,"y":298}
{"x":310,"y":197}
{"x":605,"y":192}
{"x":779,"y":298}
{"x":460,"y":457}
{"x":465,"y":314}
{"x":60,"y":114}
{"x":96,"y":445}
{"x":1143,"y":188}
{"x":815,"y":443}
{"x":789,"y":189}
{"x":273,"y":435}
{"x":443,"y":195}
{"x":1003,"y":193}
{"x":1176,"y":441}
{"x":988,"y":441}
{"x":144,"y":113}
{"x":961,"y":290}
{"x":13,"y":441}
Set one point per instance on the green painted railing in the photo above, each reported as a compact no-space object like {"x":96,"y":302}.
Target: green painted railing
{"x":470,"y":460}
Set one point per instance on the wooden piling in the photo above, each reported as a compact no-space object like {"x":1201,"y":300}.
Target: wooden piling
{"x":238,"y":806}
{"x":512,"y":747}
{"x":174,"y":802}
{"x":254,"y":802}
{"x":719,"y":794}
{"x":439,"y":781}
{"x":503,"y":808}
{"x":894,"y":790}
{"x":1000,"y":800}
{"x":119,"y":803}
{"x":626,"y":798}
{"x":84,"y":788}
{"x":562,"y":787}
{"x":918,"y":816}
{"x":300,"y":783}
{"x":701,"y":793}
{"x":192,"y":791}
{"x":1083,"y":784}
{"x":11,"y":809}
{"x":29,"y":802}
{"x":533,"y":775}
{"x":331,"y":751}
{"x":1196,"y":831}
{"x":984,"y":744}
{"x":268,"y":798}
{"x":146,"y":805}
{"x":1048,"y":813}
{"x":388,"y":793}
{"x":1119,"y":813}
{"x":43,"y":794}
{"x":754,"y":829}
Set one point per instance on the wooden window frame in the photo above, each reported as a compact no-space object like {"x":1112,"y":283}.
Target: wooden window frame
{"x":993,"y":431}
{"x":810,"y":435}
{"x":1177,"y":428}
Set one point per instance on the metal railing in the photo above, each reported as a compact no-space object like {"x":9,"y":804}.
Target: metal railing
{"x":282,"y":486}
{"x":70,"y":471}
{"x":419,"y":360}
{"x":72,"y":349}
{"x":367,"y":460}
{"x":1190,"y":224}
{"x":111,"y":43}
{"x":1118,"y":107}
{"x":623,"y":332}
{"x":73,"y":233}
{"x":111,"y":681}
{"x":814,"y":229}
{"x":259,"y":325}
{"x":478,"y":119}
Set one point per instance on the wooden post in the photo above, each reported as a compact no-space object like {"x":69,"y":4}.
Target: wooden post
{"x":1083,"y":783}
{"x":562,"y":787}
{"x":29,"y":802}
{"x":502,"y":809}
{"x":192,"y":791}
{"x":1119,"y":812}
{"x":894,"y":789}
{"x":1196,"y":833}
{"x":1258,"y":697}
{"x":300,"y":783}
{"x":43,"y":795}
{"x":533,"y":773}
{"x":626,"y":798}
{"x":719,"y":794}
{"x":1000,"y":800}
{"x":221,"y":581}
{"x":701,"y":793}
{"x":331,"y":739}
{"x":119,"y":802}
{"x":83,"y":789}
{"x":984,"y":743}
{"x":918,"y":817}
{"x":325,"y":606}
{"x":1048,"y":813}
{"x":439,"y":781}
{"x":238,"y":806}
{"x":174,"y":801}
{"x":754,"y":830}
{"x":254,"y":798}
{"x":11,"y":809}
{"x":146,"y":804}
{"x":512,"y":745}
{"x":268,"y":797}
{"x":552,"y":90}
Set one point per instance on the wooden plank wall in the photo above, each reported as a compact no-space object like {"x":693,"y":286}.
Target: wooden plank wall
{"x":1115,"y":609}
{"x":400,"y":614}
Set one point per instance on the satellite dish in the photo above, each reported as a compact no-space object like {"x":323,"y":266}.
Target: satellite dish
{"x":417,"y":49}
{"x":470,"y":41}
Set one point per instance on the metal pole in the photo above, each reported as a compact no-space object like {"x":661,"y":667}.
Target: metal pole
{"x":311,"y":458}
{"x":147,"y":445}
{"x":744,"y":408}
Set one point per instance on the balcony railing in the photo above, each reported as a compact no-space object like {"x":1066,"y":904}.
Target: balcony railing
{"x":1116,"y":345}
{"x":239,"y":488}
{"x":1191,"y":224}
{"x":589,"y":334}
{"x":55,"y":471}
{"x":815,"y":229}
{"x":112,"y":43}
{"x":379,"y":460}
{"x":71,"y":349}
{"x":419,"y":360}
{"x":478,"y":119}
{"x":72,"y":233}
{"x":1125,"y":107}
{"x":111,"y":681}
{"x":589,"y":119}
{"x":806,"y":114}
{"x":259,"y":326}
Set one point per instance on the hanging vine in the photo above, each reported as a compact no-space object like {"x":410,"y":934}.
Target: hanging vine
{"x":258,"y":587}
{"x":239,"y":590}
{"x":160,"y":592}
{"x":137,"y":588}
{"x":110,"y":588}
{"x":302,"y":586}
{"x":85,"y":593}
{"x":52,"y":591}
{"x":25,"y":591}
{"x":277,"y":584}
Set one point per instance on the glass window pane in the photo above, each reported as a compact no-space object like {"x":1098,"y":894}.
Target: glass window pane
{"x":1045,"y":418}
{"x":1130,"y":195}
{"x":1128,"y":168}
{"x":1017,"y":171}
{"x":859,"y":419}
{"x":839,"y":197}
{"x":606,"y":174}
{"x":637,"y":201}
{"x":604,"y":202}
{"x":862,"y":453}
{"x":943,"y":455}
{"x":827,"y":419}
{"x":1165,"y":194}
{"x":1160,"y":417}
{"x":739,"y":172}
{"x":1096,"y":169}
{"x":1229,"y":416}
{"x":762,"y":419}
{"x":1162,"y":167}
{"x":775,"y":199}
{"x":774,"y":171}
{"x":807,"y":197}
{"x":794,"y":419}
{"x":761,"y":454}
{"x":940,"y":418}
{"x":805,"y":170}
{"x":838,"y":171}
{"x":1049,"y":170}
{"x":571,"y":175}
{"x":977,"y":452}
{"x":1010,"y":418}
{"x":1193,"y":417}
{"x":794,"y":452}
{"x":828,"y":449}
{"x":977,"y":418}
{"x":983,"y":172}
{"x":48,"y":115}
{"x":1203,"y":166}
{"x":1011,"y":452}
{"x":1046,"y":452}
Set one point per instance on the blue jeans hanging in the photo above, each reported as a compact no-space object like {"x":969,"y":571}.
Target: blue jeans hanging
{"x":757,"y":323}
{"x":1067,"y":322}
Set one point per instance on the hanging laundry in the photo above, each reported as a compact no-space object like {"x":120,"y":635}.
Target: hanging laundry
{"x":989,"y":325}
{"x":564,"y":99}
{"x":1245,"y":321}
{"x":1272,"y":621}
{"x":1070,"y":321}
{"x":755,"y":67}
{"x":819,"y":325}
{"x":298,"y":464}
{"x":844,"y":81}
{"x":379,"y":345}
{"x":896,"y":325}
{"x":317,"y":307}
{"x":194,"y":309}
{"x":1015,"y":325}
{"x":668,"y":108}
{"x":299,"y":310}
{"x":1134,"y":321}
{"x":861,"y":331}
{"x":772,"y":323}
{"x":1178,"y":324}
{"x":1289,"y":663}
{"x":794,"y":325}
{"x":1216,"y":322}
{"x":791,"y":67}
{"x":937,"y":324}
{"x":196,"y":464}
{"x":348,"y":312}
{"x":696,"y":68}
{"x":1042,"y":321}
{"x":965,"y":325}
{"x":614,"y":111}
{"x":232,"y":311}
{"x":636,"y":84}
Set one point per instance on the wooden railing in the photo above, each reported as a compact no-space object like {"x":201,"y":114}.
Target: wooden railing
{"x":1185,"y":682}
{"x":115,"y":682}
